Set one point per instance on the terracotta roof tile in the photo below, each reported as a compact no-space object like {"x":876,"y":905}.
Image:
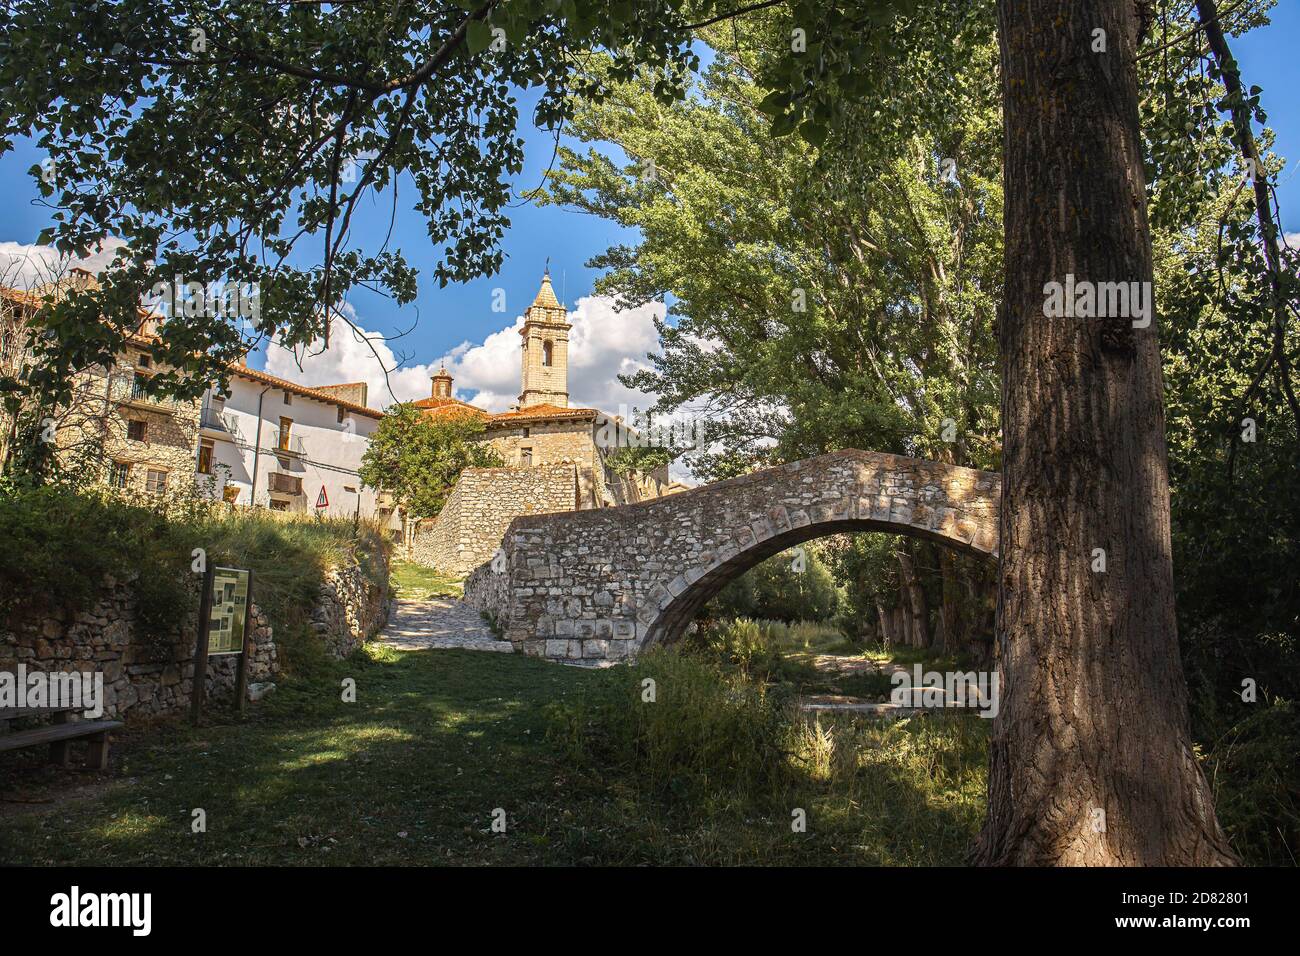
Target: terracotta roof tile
{"x":544,"y":411}
{"x":34,"y":300}
{"x":304,"y":390}
{"x":438,"y":406}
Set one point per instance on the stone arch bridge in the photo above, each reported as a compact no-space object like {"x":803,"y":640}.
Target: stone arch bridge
{"x":605,"y":584}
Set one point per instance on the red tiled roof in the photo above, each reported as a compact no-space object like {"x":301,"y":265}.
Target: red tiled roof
{"x":439,"y":405}
{"x":21,"y":297}
{"x":304,"y":390}
{"x":543,"y":412}
{"x":34,"y":300}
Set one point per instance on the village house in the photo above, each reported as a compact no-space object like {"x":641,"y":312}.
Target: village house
{"x":266,"y":441}
{"x":114,"y":429}
{"x":271,"y":442}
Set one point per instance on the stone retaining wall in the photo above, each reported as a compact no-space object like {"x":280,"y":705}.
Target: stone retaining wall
{"x":480,"y":508}
{"x":143,"y":675}
{"x":350,"y":610}
{"x":153,"y":674}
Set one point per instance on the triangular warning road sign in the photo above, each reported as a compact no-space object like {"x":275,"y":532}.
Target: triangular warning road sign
{"x":321,"y":500}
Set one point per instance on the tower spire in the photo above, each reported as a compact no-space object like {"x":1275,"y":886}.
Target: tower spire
{"x":545,"y":336}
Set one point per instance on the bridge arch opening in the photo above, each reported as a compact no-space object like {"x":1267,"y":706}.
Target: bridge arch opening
{"x":673,"y":620}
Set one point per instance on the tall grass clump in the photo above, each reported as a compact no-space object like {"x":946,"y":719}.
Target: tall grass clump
{"x":684,"y":728}
{"x":728,"y":759}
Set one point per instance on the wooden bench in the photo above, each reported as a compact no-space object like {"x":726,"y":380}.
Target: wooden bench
{"x":59,"y":734}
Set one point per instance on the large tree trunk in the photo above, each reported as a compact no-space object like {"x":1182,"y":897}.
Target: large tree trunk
{"x":952,"y":625}
{"x":1091,"y":758}
{"x":918,"y":614}
{"x":893,"y":631}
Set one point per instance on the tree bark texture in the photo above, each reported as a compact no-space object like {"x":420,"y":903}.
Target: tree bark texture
{"x":1091,"y":760}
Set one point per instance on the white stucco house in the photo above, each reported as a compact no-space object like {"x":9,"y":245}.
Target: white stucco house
{"x":289,"y":447}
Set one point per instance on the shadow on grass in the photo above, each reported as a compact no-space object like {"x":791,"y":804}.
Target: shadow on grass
{"x":436,"y":741}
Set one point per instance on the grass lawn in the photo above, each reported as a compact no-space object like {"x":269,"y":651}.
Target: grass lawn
{"x":409,"y":773}
{"x":436,"y":741}
{"x":415,"y":582}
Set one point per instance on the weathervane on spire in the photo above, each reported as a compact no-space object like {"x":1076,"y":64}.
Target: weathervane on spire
{"x":548,"y":266}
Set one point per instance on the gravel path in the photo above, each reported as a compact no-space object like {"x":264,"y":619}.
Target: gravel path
{"x":437,"y":624}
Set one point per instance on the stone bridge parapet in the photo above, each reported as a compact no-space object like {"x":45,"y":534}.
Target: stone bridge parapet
{"x":604,"y":584}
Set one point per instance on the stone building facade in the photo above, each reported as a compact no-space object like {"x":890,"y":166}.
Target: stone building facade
{"x":537,"y":436}
{"x":114,"y":428}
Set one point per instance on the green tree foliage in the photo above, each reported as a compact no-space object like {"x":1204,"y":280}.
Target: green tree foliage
{"x":1233,"y":452}
{"x":821,"y":299}
{"x":792,"y":586}
{"x":418,"y":458}
{"x":219,"y":140}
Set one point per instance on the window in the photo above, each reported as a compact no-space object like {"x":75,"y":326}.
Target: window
{"x":277,"y":505}
{"x":205,"y":456}
{"x":525,"y":457}
{"x":137,"y":430}
{"x":155,"y":481}
{"x":526,"y":433}
{"x":138,"y":383}
{"x":286,"y":430}
{"x":144,"y":361}
{"x":288,"y":398}
{"x":343,"y":414}
{"x":548,"y":352}
{"x":119,"y":474}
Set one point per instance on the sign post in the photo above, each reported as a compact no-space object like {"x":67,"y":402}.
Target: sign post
{"x":200,"y":681}
{"x":224,"y":608}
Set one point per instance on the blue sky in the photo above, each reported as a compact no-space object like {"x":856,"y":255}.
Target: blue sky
{"x":449,"y":317}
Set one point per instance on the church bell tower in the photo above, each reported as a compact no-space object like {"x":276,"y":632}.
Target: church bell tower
{"x":545,"y":350}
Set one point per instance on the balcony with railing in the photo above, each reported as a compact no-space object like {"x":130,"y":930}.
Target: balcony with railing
{"x":214,"y":418}
{"x":286,"y":444}
{"x":131,"y":389}
{"x":280,"y":483}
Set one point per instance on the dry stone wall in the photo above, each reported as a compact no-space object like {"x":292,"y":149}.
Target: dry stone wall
{"x":602,"y":585}
{"x":352,"y":606}
{"x":150,"y":674}
{"x":145,"y":675}
{"x":480,"y":508}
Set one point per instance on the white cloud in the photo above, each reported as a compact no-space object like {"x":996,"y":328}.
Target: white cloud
{"x":603,"y":344}
{"x":354,"y":355}
{"x":25,"y":266}
{"x":1292,"y":239}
